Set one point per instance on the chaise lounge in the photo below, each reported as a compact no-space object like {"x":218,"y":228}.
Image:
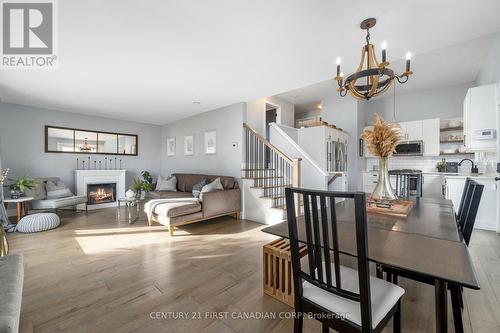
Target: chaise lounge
{"x":185,"y":209}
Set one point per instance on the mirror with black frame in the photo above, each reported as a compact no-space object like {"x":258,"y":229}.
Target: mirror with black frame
{"x":79,"y":141}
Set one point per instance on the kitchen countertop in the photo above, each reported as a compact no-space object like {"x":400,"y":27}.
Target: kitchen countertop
{"x":452,"y":174}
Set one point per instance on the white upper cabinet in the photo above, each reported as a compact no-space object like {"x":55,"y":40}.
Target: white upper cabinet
{"x":420,"y":130}
{"x":413,"y":130}
{"x":430,"y":135}
{"x":480,"y":128}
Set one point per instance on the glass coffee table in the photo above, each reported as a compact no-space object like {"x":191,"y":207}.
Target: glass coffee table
{"x":129,"y":204}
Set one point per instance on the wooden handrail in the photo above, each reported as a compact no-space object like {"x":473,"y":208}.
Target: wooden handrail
{"x":268,"y":144}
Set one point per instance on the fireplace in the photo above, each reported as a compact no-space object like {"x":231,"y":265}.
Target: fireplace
{"x":101,"y":193}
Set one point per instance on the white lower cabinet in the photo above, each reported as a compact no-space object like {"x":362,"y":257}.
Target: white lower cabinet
{"x":432,"y":186}
{"x":487,"y":213}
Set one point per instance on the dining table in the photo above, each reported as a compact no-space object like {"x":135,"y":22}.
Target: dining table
{"x":426,"y":244}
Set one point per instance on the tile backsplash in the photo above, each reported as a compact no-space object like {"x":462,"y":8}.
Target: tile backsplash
{"x":486,"y":162}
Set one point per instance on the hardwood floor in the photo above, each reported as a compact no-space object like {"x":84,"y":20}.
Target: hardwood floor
{"x":94,"y":274}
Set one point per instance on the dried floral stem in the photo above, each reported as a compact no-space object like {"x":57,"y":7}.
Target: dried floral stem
{"x":382,"y":140}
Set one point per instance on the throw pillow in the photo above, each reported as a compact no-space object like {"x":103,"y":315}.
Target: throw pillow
{"x":57,"y":189}
{"x":197,"y":188}
{"x":216,"y":185}
{"x":166,"y":184}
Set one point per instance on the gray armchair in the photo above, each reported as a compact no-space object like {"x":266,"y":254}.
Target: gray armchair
{"x":41,"y":202}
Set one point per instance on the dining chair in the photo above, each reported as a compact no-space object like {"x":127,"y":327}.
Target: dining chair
{"x":471,"y":199}
{"x":469,"y":210}
{"x":462,"y":200}
{"x":342,"y":298}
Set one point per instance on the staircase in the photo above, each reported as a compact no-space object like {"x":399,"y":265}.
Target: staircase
{"x":267,"y":172}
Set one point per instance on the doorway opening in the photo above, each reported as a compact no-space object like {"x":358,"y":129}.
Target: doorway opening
{"x":271,"y":117}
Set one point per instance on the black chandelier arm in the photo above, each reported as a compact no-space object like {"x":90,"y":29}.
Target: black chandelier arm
{"x":343,"y":92}
{"x":402,"y":78}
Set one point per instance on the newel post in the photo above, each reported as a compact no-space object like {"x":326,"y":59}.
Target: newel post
{"x":296,"y":182}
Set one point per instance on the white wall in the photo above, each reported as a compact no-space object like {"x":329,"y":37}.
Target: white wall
{"x":23,"y":151}
{"x":490,"y":70}
{"x":255,"y":114}
{"x":438,"y":103}
{"x":227,"y":121}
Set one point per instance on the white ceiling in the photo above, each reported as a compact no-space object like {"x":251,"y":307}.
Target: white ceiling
{"x":149,"y":60}
{"x":449,"y":66}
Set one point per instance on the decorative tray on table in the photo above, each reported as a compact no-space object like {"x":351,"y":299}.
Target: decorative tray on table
{"x":399,"y":208}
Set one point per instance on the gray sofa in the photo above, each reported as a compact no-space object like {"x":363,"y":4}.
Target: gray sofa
{"x":42,"y":203}
{"x":215,"y":204}
{"x":11,"y":290}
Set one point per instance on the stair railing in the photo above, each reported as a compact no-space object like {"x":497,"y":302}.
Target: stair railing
{"x":271,"y":169}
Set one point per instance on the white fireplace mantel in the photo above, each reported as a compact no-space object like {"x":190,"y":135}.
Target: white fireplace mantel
{"x":84,"y":177}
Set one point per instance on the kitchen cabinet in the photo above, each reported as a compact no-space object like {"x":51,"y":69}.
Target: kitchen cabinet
{"x":487,"y":213}
{"x":432,"y":186}
{"x":480,"y":110}
{"x":370,"y":180}
{"x":420,"y":130}
{"x":327,"y":146}
{"x":411,"y":130}
{"x":430,"y":136}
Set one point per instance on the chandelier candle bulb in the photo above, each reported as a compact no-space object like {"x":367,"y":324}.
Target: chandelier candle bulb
{"x":384,"y":54}
{"x":338,"y":66}
{"x":408,"y":59}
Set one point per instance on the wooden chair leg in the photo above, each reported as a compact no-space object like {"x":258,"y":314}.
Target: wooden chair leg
{"x":171,"y":230}
{"x":457,"y":311}
{"x":397,"y":319}
{"x":326,"y":328}
{"x":298,"y":322}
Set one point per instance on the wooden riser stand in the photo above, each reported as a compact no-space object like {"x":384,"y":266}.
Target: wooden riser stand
{"x":277,"y":270}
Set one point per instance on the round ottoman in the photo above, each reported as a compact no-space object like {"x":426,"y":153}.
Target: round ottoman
{"x":38,"y":222}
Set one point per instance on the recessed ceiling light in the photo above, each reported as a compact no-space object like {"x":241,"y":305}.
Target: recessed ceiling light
{"x":196,"y":103}
{"x":320,"y":106}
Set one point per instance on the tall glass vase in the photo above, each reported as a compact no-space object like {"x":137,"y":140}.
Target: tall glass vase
{"x":383,"y":190}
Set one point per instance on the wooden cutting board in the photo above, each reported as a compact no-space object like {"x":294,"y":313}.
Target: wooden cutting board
{"x":399,"y":208}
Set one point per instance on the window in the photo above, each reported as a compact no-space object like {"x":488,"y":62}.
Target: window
{"x":79,"y":141}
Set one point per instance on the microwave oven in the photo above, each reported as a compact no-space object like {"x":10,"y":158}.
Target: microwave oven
{"x":410,"y":148}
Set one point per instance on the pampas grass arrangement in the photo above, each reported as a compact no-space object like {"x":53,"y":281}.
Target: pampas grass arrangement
{"x":382,"y":140}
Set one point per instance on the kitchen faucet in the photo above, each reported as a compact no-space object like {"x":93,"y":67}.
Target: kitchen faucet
{"x":473,"y":169}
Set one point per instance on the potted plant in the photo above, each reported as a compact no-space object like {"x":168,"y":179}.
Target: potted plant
{"x":382,"y":141}
{"x":21,"y":184}
{"x":146,"y":176}
{"x":140,"y":187}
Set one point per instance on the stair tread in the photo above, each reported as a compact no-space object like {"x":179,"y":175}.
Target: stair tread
{"x":258,"y":169}
{"x":272,"y":186}
{"x":284,"y":206}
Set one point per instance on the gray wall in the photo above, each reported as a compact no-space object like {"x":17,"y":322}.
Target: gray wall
{"x":438,"y":103}
{"x":490,"y":70}
{"x":22,"y":138}
{"x":227,"y":121}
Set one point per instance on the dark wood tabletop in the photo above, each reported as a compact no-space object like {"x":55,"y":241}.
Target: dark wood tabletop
{"x":426,"y":242}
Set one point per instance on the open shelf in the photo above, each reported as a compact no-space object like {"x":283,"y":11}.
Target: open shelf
{"x":449,"y":129}
{"x":447,"y":154}
{"x":452,"y":141}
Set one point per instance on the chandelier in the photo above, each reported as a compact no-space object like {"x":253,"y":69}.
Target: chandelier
{"x":371,"y":77}
{"x":86,"y":147}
